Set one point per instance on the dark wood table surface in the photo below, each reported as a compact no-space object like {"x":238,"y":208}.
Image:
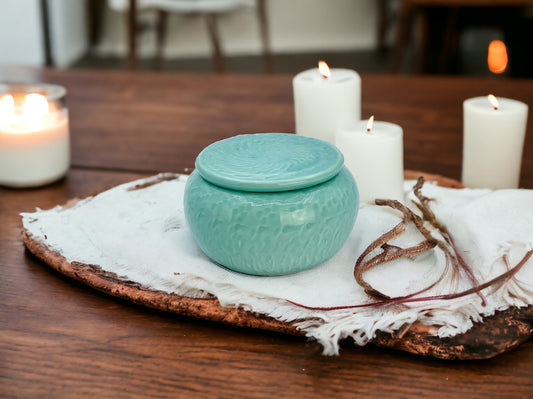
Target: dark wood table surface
{"x":59,"y":338}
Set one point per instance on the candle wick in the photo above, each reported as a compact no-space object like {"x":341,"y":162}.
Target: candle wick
{"x":495,"y":108}
{"x":368,"y":130}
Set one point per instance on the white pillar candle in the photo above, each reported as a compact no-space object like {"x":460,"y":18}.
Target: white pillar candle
{"x":34,"y":135}
{"x":493,"y":140}
{"x":325,"y":101}
{"x":374,"y":155}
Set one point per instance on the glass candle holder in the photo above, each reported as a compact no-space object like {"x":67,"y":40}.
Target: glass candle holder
{"x":34,"y":134}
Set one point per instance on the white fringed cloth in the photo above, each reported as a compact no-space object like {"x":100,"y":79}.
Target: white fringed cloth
{"x":142,"y":235}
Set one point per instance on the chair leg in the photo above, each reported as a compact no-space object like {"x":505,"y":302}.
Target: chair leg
{"x":220,"y":62}
{"x":265,"y":41}
{"x":161,"y":35}
{"x":383,"y":20}
{"x":404,"y":21}
{"x":423,"y":40}
{"x":132,"y":35}
{"x":449,"y":46}
{"x":95,"y":10}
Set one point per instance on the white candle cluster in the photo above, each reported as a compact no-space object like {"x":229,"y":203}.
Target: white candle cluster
{"x":328,"y":106}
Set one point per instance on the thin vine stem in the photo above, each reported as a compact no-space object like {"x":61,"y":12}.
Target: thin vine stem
{"x":389,"y":252}
{"x":412,"y":298}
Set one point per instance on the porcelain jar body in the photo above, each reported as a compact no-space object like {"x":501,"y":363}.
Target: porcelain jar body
{"x":271,"y":233}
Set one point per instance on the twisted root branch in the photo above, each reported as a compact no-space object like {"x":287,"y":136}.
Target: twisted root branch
{"x":411,"y":298}
{"x":446,"y":244}
{"x":392,"y":252}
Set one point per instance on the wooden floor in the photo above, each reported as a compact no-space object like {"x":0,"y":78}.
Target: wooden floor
{"x":362,"y":61}
{"x":472,"y":63}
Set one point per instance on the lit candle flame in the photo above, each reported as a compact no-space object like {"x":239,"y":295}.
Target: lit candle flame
{"x":370,"y":124}
{"x":324,"y":69}
{"x":31,"y":114}
{"x":35,"y":106}
{"x":497,"y":56}
{"x":7,"y":109}
{"x":494,"y":101}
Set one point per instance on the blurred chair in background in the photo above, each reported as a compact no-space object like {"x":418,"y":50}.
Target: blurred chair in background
{"x":209,"y":9}
{"x":445,"y":20}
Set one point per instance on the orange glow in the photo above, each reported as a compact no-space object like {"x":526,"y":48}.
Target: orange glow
{"x":370,"y":123}
{"x":497,"y":56}
{"x":494,"y":101}
{"x":324,"y":69}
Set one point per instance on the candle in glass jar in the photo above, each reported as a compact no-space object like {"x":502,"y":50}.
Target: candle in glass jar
{"x":34,"y":135}
{"x":373,"y":152}
{"x":493,"y":138}
{"x":325,"y":100}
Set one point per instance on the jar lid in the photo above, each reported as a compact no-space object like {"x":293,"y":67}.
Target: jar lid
{"x":269,"y":162}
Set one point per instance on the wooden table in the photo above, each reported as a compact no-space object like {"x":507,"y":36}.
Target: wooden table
{"x":59,"y":338}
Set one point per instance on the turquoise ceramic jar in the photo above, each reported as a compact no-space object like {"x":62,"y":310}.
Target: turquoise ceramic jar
{"x":270,"y":204}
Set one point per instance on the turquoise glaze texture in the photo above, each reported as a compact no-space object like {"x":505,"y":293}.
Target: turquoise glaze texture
{"x":272,"y":232}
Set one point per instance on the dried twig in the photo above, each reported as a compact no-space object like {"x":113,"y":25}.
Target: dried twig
{"x":391,"y":252}
{"x":449,"y":246}
{"x":411,"y":298}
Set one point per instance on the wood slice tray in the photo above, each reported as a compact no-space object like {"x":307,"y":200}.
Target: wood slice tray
{"x":495,"y":335}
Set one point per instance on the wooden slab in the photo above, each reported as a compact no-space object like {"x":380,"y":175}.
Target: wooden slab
{"x":496,"y":334}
